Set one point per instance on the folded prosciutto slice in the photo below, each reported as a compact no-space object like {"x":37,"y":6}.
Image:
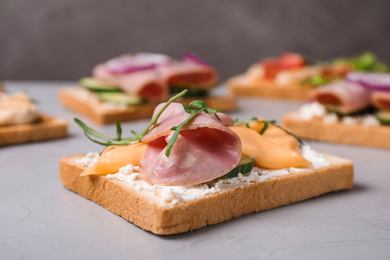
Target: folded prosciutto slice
{"x":135,"y":75}
{"x":186,"y":74}
{"x":381,"y":100}
{"x":145,"y":84}
{"x":343,"y":97}
{"x":101,"y":73}
{"x":205,"y":149}
{"x":149,"y":75}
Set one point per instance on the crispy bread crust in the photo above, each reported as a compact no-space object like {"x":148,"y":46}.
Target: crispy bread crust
{"x":165,"y":219}
{"x":77,"y":100}
{"x":46,"y":128}
{"x":268,"y":89}
{"x":376,"y":136}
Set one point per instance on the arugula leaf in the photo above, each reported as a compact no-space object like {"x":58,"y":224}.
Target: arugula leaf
{"x":118,"y":131}
{"x":365,"y":62}
{"x":264,"y":127}
{"x":195,"y":107}
{"x":118,"y":140}
{"x":90,"y":132}
{"x":154,"y":120}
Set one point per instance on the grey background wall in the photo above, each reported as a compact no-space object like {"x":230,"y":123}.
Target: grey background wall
{"x":63,"y":40}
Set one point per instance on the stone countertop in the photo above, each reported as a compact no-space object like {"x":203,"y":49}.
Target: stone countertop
{"x":40,"y":219}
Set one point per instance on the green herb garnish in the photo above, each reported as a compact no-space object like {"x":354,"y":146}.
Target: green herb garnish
{"x":317,"y":81}
{"x":265,"y":127}
{"x":365,"y":62}
{"x":195,"y":107}
{"x":118,"y":140}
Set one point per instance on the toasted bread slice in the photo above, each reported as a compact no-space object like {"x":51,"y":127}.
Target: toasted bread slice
{"x":241,"y":86}
{"x":164,"y":218}
{"x":44,"y":129}
{"x":338,"y":132}
{"x":86,"y":103}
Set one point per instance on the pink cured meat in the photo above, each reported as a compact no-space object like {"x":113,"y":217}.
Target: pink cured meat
{"x":145,"y":83}
{"x":205,"y":149}
{"x":187,"y":74}
{"x":128,"y":63}
{"x":381,"y":100}
{"x":104,"y":76}
{"x":149,"y":75}
{"x":350,"y":97}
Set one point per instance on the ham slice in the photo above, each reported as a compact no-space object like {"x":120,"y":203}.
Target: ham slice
{"x":185,"y":74}
{"x":143,"y":80}
{"x":140,"y":61}
{"x":381,"y":100}
{"x":344,"y":97}
{"x":101,"y":74}
{"x":144,"y":83}
{"x":149,"y":75}
{"x":205,"y":149}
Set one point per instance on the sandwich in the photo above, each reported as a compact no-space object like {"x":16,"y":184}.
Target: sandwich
{"x":130,"y":86}
{"x":351,"y":111}
{"x":292,"y":76}
{"x":194,"y":166}
{"x":21,"y":121}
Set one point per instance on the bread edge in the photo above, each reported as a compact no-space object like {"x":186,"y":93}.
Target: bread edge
{"x":94,"y":109}
{"x":212,"y":209}
{"x":46,"y":129}
{"x":315,"y":129}
{"x":267,"y":89}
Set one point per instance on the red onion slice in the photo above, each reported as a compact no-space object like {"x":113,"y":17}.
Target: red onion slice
{"x":192,"y":58}
{"x":371,"y":80}
{"x":131,"y":63}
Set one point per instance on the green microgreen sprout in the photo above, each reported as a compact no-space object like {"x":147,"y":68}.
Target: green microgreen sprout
{"x":118,"y":140}
{"x":195,"y":107}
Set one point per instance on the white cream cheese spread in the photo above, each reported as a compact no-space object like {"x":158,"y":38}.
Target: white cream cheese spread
{"x":314,"y":110}
{"x":311,"y":110}
{"x":130,"y":176}
{"x":88,"y":160}
{"x":255,"y":71}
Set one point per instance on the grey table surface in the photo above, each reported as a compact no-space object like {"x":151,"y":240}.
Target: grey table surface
{"x":40,"y":219}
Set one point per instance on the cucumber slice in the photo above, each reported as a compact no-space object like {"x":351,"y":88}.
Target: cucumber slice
{"x":244,"y":167}
{"x":119,"y":98}
{"x":193,"y":91}
{"x":334,"y":109}
{"x":93,"y":85}
{"x":383,"y":117}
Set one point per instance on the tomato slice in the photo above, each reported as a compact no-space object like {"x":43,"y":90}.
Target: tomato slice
{"x":286,"y":61}
{"x":271,"y":68}
{"x":291,"y":61}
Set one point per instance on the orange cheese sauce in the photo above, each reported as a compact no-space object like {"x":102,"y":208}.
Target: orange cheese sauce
{"x":276,"y":135}
{"x":266,"y":152}
{"x":115,"y":157}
